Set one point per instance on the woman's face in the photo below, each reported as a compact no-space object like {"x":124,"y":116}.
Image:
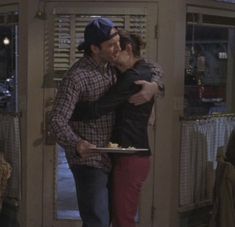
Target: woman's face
{"x":123,"y":60}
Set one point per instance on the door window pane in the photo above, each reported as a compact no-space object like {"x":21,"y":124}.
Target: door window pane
{"x":66,"y":199}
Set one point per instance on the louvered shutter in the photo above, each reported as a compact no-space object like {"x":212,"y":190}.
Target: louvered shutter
{"x":64,"y":32}
{"x":62,"y":43}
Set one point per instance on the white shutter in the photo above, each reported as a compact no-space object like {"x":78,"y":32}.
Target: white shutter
{"x":62,"y":42}
{"x":64,"y":32}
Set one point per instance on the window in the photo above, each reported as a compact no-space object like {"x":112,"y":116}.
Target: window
{"x":209,"y":57}
{"x":65,"y":27}
{"x":68,"y":33}
{"x":8,"y":61}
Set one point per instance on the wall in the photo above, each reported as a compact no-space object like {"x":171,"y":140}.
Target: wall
{"x":31,"y":104}
{"x":171,"y":56}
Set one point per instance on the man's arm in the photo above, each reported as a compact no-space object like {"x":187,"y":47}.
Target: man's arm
{"x":84,"y":148}
{"x":115,"y":96}
{"x":66,"y":98}
{"x":150,"y":89}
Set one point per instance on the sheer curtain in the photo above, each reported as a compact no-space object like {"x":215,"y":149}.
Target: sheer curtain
{"x":10,"y":148}
{"x":201,"y":139}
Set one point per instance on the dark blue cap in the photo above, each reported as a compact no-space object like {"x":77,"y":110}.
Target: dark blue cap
{"x":97,"y":31}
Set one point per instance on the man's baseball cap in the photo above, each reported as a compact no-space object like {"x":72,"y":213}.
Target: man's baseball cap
{"x":97,"y":31}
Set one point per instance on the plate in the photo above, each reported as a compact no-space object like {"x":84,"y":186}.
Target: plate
{"x":119,"y":150}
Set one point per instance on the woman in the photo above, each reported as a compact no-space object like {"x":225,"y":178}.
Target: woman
{"x":129,"y":170}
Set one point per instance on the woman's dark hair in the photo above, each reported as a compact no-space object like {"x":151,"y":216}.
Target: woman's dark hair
{"x":131,"y":38}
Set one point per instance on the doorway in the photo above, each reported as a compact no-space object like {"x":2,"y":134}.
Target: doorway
{"x":64,"y":31}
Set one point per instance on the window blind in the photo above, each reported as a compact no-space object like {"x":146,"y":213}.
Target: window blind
{"x":65,"y":31}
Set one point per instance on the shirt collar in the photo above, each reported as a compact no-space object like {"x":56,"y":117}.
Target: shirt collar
{"x":101,"y":67}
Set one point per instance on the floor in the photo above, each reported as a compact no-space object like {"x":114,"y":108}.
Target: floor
{"x":66,"y":200}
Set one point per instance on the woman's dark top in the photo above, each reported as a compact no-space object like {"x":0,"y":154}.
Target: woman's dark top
{"x":131,"y":124}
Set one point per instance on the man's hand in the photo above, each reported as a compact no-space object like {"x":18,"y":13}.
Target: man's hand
{"x":84,"y":149}
{"x":149,"y":89}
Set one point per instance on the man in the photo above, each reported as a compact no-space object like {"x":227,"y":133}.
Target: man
{"x":87,"y":80}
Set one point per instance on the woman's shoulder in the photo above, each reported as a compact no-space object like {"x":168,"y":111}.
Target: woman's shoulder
{"x":141,"y":70}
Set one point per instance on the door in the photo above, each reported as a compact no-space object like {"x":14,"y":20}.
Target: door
{"x":64,"y":30}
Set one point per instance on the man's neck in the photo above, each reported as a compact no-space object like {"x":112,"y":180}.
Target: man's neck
{"x":98,"y":60}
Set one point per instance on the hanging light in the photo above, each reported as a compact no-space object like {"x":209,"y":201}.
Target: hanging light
{"x":41,"y":13}
{"x":6,"y":41}
{"x":193,"y":36}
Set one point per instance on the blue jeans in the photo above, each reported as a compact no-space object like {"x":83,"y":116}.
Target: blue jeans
{"x":92,"y":186}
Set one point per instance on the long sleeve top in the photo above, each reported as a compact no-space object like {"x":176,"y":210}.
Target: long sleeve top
{"x":131,"y":121}
{"x":86,"y":81}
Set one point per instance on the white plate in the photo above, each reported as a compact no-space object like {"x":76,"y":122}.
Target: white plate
{"x":119,"y":150}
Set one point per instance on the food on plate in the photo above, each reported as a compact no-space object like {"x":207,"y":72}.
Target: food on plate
{"x":116,"y":145}
{"x":113,"y":145}
{"x":130,"y":147}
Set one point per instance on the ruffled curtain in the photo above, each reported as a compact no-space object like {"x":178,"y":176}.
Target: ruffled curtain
{"x":200,"y":142}
{"x":10,"y":150}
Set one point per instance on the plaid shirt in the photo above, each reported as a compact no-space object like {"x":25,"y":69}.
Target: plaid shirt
{"x":85,"y":81}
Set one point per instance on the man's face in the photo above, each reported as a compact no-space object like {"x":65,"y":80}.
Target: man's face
{"x":110,"y":49}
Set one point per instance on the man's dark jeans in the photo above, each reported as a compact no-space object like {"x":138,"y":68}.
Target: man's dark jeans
{"x":93,"y":195}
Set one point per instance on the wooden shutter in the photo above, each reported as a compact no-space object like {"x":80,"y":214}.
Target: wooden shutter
{"x":64,"y":31}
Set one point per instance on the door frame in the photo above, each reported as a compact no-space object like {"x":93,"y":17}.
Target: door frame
{"x":49,"y":153}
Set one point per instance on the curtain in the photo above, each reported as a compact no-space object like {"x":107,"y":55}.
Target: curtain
{"x":10,"y":148}
{"x":200,"y":142}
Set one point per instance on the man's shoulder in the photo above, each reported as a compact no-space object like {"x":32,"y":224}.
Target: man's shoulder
{"x":80,"y":68}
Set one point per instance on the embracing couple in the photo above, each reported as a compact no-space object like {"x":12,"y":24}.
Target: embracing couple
{"x":107,"y":96}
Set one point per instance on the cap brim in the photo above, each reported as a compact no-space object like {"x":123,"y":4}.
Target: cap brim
{"x":82,"y":46}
